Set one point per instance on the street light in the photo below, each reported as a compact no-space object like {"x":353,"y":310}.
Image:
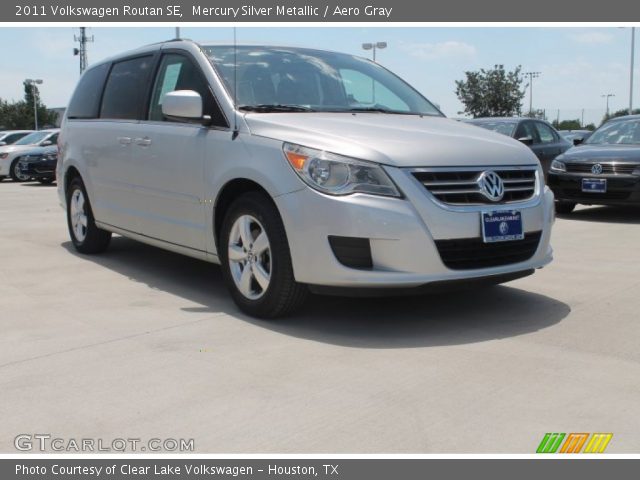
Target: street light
{"x":33,"y":83}
{"x":607,"y":96}
{"x":633,"y":44}
{"x":531,"y":76}
{"x":374,"y":47}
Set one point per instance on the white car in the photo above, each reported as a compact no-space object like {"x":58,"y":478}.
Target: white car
{"x":9,"y":137}
{"x":296,"y":170}
{"x":10,"y":154}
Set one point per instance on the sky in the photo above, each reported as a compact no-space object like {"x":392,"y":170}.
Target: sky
{"x":578,"y":65}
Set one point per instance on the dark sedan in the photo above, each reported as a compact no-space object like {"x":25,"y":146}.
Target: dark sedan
{"x":40,"y":164}
{"x":604,"y":170}
{"x":540,"y":136}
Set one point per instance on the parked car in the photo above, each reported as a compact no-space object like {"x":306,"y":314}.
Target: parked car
{"x":576,"y":137}
{"x":40,"y":164}
{"x":540,"y":136}
{"x":10,"y":154}
{"x":300,"y":178}
{"x":604,"y":170}
{"x":9,"y":137}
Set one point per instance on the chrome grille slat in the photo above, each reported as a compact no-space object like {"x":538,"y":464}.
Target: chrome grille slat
{"x":611,"y":168}
{"x":458,"y":186}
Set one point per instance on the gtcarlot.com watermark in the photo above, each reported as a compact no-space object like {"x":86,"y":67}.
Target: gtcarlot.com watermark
{"x":45,"y":442}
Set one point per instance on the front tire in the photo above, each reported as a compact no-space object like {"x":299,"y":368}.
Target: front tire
{"x":564,"y":208}
{"x":16,"y":174}
{"x":85,"y":235}
{"x":255,"y":258}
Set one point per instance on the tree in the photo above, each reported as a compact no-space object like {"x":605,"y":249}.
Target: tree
{"x":567,"y":124}
{"x":20,"y":115}
{"x":491,"y":93}
{"x":620,"y":113}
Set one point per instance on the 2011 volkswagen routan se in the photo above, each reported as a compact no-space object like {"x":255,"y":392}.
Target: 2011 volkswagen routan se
{"x":295,"y":169}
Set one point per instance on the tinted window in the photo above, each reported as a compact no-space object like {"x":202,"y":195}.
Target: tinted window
{"x":125,"y":89}
{"x":526,"y":129}
{"x":177,"y":72}
{"x":86,"y":98}
{"x":14,"y":137}
{"x":545,"y":133}
{"x":505,"y":128}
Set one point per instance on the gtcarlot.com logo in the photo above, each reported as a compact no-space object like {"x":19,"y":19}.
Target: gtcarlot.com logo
{"x":45,"y":442}
{"x":574,"y":442}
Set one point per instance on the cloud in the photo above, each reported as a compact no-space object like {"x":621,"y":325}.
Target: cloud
{"x":440,"y":50}
{"x":591,"y":38}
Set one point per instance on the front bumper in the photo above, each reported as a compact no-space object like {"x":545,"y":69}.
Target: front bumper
{"x":621,"y":189}
{"x":38,"y":169}
{"x":402,"y":235}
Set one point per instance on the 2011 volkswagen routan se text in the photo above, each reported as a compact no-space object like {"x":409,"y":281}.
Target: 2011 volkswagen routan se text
{"x":295,"y":169}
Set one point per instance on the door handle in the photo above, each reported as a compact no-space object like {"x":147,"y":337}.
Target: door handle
{"x":143,"y":142}
{"x":124,"y":141}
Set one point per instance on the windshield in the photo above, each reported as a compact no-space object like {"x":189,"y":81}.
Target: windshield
{"x":625,"y":132}
{"x":313,"y":80}
{"x":33,"y":138}
{"x":506,"y":128}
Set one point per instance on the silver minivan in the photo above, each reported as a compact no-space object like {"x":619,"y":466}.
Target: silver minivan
{"x":295,"y":169}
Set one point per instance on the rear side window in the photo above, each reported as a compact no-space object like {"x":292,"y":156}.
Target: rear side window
{"x":85,"y":102}
{"x":124,"y":93}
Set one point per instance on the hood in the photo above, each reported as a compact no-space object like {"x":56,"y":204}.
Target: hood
{"x":613,"y":153}
{"x":398,"y":140}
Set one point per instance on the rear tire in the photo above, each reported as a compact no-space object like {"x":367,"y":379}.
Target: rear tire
{"x":259,"y":275}
{"x":85,"y":235}
{"x":16,"y":174}
{"x":564,"y":208}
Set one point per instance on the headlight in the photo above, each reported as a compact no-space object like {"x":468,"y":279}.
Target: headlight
{"x":337,"y":175}
{"x":558,"y":166}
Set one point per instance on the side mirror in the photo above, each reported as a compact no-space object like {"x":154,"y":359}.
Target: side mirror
{"x":46,"y":143}
{"x":182,"y":105}
{"x":578,"y":141}
{"x":526,"y":140}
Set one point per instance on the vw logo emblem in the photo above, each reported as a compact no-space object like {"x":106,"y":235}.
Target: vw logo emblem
{"x":491,"y":185}
{"x":596,"y":169}
{"x":504,"y":228}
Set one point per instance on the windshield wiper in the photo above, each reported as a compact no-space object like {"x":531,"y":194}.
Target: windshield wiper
{"x":381,"y":110}
{"x":267,"y":108}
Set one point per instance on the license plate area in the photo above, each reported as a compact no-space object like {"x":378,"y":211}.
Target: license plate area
{"x":594,"y":185}
{"x":502,"y":226}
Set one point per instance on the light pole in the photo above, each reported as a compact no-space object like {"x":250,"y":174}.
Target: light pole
{"x":531,"y":76}
{"x":33,"y":82}
{"x":633,"y":44}
{"x":374,"y":47}
{"x":607,"y":96}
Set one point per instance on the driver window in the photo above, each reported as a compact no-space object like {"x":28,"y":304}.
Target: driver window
{"x":177,"y":72}
{"x":362,"y":90}
{"x":525,"y":129}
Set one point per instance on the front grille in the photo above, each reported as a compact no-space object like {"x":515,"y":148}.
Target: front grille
{"x":460,"y":186}
{"x":579,"y":194}
{"x":472,"y":253}
{"x":607,"y":168}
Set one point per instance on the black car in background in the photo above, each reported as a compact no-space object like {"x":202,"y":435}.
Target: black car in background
{"x":604,"y":170}
{"x":575,"y":136}
{"x":540,"y":136}
{"x":40,"y":164}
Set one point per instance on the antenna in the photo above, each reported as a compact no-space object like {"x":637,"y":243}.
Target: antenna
{"x":235,"y":86}
{"x":82,"y":51}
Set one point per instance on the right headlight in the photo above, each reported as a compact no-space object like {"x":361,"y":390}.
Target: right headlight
{"x":558,"y":166}
{"x":338,"y":175}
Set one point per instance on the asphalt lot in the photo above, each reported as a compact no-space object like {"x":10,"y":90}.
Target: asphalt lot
{"x":142,"y":343}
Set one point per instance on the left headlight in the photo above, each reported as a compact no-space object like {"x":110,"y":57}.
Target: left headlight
{"x":558,"y":166}
{"x":338,"y":175}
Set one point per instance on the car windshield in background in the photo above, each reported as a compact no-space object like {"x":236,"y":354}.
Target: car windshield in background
{"x":32,"y":138}
{"x":624,"y":132}
{"x":271,"y":79}
{"x":506,"y":128}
